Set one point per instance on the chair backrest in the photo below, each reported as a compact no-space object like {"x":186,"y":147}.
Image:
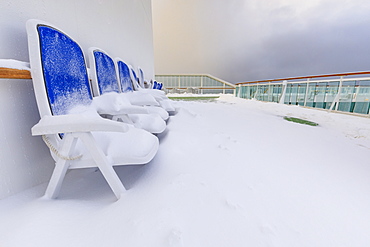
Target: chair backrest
{"x":58,"y":69}
{"x":155,"y":85}
{"x":103,"y":72}
{"x":124,"y":76}
{"x":151,"y":84}
{"x":141,"y":77}
{"x":134,"y":79}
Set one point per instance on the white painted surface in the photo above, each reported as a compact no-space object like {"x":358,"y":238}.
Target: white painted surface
{"x":123,"y":28}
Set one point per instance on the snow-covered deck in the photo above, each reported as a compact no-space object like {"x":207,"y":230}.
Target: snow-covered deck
{"x":231,"y":172}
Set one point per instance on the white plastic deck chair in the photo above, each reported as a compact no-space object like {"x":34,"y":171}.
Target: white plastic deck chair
{"x":159,"y":95}
{"x":155,"y":85}
{"x":61,"y":83}
{"x":127,"y":84}
{"x":141,"y":78}
{"x":143,"y":82}
{"x":104,"y":80}
{"x":134,"y":79}
{"x":159,"y":85}
{"x":124,"y":77}
{"x":151,"y":84}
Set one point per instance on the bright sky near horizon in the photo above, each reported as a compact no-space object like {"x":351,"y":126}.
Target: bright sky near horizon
{"x":244,"y":40}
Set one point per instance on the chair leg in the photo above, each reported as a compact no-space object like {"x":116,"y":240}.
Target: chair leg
{"x":61,"y":167}
{"x":104,"y":165}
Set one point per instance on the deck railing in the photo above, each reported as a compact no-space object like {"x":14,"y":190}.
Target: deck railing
{"x":348,"y":92}
{"x":195,"y":83}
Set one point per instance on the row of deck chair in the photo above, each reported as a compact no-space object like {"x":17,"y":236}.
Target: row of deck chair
{"x":77,"y":114}
{"x":142,"y":83}
{"x":157,"y":85}
{"x":104,"y":77}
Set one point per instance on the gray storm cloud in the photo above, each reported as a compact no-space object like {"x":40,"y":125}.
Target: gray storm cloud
{"x":244,"y":40}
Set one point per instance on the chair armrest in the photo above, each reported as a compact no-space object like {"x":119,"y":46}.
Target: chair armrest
{"x":138,"y":98}
{"x":154,"y":92}
{"x":123,"y":110}
{"x":116,"y":104}
{"x":76,"y":123}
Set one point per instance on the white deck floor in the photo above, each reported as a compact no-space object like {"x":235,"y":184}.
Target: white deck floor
{"x":228,"y":173}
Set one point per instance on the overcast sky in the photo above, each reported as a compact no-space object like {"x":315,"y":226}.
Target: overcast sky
{"x":244,"y":40}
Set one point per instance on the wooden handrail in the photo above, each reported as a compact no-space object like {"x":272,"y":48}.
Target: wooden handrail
{"x":307,"y":77}
{"x":7,"y":73}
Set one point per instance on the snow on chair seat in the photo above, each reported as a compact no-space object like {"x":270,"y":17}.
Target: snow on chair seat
{"x":76,"y":134}
{"x":104,"y":81}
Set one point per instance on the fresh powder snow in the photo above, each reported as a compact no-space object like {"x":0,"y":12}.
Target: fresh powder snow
{"x":229,"y":172}
{"x":14,"y":64}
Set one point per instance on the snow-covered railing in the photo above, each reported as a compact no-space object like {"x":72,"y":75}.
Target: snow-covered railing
{"x":348,"y":92}
{"x":14,"y":69}
{"x":195,"y":83}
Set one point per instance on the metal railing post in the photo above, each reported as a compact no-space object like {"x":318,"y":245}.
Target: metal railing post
{"x":201,"y":85}
{"x":306,"y":94}
{"x":339,"y":92}
{"x":256,"y":93}
{"x":337,"y":97}
{"x":283,"y":92}
{"x":269,"y":99}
